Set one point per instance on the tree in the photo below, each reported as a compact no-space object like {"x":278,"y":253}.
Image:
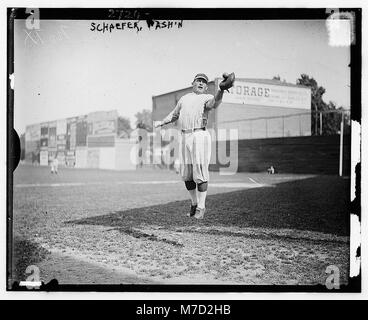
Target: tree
{"x":144,"y":120}
{"x":278,"y":78}
{"x":331,"y":114}
{"x":124,"y":126}
{"x":347,"y":120}
{"x":317,"y":101}
{"x":331,"y":121}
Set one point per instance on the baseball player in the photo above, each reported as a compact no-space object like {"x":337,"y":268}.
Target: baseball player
{"x":191,"y":112}
{"x":54,"y":165}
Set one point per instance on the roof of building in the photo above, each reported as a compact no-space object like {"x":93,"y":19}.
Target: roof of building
{"x":272,"y":82}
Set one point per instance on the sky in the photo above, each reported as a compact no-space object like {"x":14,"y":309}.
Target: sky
{"x":64,"y":69}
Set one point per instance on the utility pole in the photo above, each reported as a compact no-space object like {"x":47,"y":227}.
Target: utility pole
{"x":341,"y":143}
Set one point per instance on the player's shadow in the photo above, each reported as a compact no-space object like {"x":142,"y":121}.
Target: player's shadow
{"x":315,"y":204}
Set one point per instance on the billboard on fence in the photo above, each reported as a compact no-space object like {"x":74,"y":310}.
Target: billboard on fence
{"x":70,"y":158}
{"x":61,"y":142}
{"x":102,"y":122}
{"x":73,"y":136}
{"x":44,"y":142}
{"x":81,"y":132}
{"x":103,"y":127}
{"x":61,"y":157}
{"x":44,"y":158}
{"x":52,"y":137}
{"x":61,"y":138}
{"x":61,"y":147}
{"x":67,"y":142}
{"x":44,"y":130}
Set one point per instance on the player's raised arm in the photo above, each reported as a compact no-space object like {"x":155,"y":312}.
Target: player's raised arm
{"x":215,"y":101}
{"x":171,"y":117}
{"x":225,"y":84}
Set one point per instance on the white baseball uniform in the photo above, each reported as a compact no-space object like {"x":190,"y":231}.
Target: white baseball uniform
{"x":54,"y":165}
{"x":195,"y":146}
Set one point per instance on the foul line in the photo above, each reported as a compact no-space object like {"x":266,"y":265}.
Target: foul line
{"x":224,"y":184}
{"x":253,"y":180}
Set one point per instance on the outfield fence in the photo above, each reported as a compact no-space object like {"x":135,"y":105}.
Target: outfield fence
{"x":316,"y":123}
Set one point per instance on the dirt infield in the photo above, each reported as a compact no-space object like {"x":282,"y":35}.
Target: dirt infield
{"x":110,"y":227}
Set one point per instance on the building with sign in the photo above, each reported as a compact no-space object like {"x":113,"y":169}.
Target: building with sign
{"x":254,"y":108}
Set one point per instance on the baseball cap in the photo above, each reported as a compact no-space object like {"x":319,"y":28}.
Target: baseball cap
{"x":201,"y":76}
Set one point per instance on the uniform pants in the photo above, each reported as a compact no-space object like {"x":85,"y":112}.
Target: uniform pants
{"x":194,"y":156}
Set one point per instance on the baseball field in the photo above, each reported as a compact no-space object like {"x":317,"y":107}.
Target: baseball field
{"x":87,"y":226}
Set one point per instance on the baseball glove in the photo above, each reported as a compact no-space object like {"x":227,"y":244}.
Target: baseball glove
{"x":228,"y":81}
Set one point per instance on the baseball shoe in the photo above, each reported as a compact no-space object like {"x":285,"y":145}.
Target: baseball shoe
{"x":192,"y":211}
{"x":199,"y":213}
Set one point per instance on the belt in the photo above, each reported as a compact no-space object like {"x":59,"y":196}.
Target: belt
{"x":193,"y":130}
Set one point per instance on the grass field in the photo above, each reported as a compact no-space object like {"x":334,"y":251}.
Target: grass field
{"x":87,"y":226}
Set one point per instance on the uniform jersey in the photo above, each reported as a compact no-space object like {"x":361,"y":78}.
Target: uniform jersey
{"x":191,"y":111}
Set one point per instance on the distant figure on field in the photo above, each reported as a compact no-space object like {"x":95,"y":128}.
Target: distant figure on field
{"x":177,"y":165}
{"x":271,"y":170}
{"x":54,"y":165}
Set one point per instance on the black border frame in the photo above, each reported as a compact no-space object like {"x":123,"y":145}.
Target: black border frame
{"x":151,"y":14}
